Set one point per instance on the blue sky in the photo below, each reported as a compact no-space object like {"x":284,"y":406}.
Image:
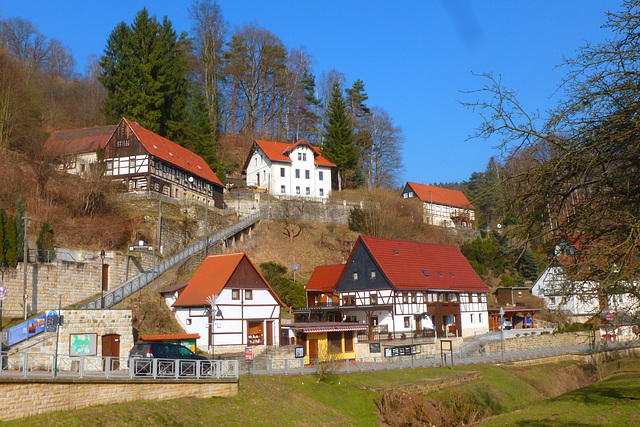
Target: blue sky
{"x":415,"y":57}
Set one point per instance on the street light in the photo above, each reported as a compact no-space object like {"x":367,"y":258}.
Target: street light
{"x":3,"y":292}
{"x":502,"y":330}
{"x":102,"y":279}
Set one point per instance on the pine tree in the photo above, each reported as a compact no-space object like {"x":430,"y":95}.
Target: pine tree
{"x":202,"y":136}
{"x":339,"y":146}
{"x":4,"y":243}
{"x":356,"y":96}
{"x":11,"y":256}
{"x":144,"y":70}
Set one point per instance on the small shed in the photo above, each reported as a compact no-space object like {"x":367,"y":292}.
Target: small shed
{"x":326,"y":340}
{"x":187,"y":340}
{"x":520,"y":317}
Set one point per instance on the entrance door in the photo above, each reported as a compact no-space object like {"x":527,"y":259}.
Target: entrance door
{"x":313,"y":349}
{"x":111,"y":348}
{"x":269,"y":332}
{"x":105,"y":277}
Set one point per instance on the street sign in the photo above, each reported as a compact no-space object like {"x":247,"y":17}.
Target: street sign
{"x":609,"y":315}
{"x":52,"y":321}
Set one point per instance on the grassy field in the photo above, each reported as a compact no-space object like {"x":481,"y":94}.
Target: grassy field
{"x":351,"y":400}
{"x":613,"y":402}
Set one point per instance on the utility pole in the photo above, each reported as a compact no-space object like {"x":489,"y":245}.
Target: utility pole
{"x":25,"y":262}
{"x":159,"y":243}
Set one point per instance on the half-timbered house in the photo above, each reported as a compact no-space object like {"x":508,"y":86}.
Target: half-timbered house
{"x":442,"y":206}
{"x":76,"y":150}
{"x":144,"y":161}
{"x":229,"y":302}
{"x":399,"y":287}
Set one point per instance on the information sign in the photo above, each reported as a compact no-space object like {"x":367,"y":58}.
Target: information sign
{"x":52,"y":321}
{"x":299,"y":352}
{"x":248,"y":353}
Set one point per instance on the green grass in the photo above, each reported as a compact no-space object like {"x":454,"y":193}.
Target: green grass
{"x":613,"y":402}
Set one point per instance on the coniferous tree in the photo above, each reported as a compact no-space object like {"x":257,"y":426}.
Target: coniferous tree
{"x":20,"y":237}
{"x":144,"y":71}
{"x":4,"y":243}
{"x":11,"y":256}
{"x":339,"y":146}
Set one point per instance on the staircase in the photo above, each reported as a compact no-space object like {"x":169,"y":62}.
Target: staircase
{"x":135,"y":284}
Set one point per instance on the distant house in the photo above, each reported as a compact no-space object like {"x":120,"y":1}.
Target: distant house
{"x":289,"y":170}
{"x":515,"y":295}
{"x":247,"y":310}
{"x":581,"y":300}
{"x":442,"y":206}
{"x":142,"y":160}
{"x":77,"y":149}
{"x":399,"y":287}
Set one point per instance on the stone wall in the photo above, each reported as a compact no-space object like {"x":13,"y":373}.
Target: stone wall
{"x":99,"y":322}
{"x":537,"y":341}
{"x":23,"y":398}
{"x":77,"y":276}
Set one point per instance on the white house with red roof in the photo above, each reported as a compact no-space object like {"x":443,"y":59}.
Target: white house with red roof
{"x":289,"y":170}
{"x":399,"y":287}
{"x":77,"y":149}
{"x":144,"y":161}
{"x":442,"y":206}
{"x":247,"y":310}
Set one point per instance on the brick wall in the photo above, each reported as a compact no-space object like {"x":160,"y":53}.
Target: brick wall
{"x":23,"y":398}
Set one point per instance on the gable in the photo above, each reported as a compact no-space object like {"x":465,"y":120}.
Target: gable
{"x":438,"y":195}
{"x":362,"y":263}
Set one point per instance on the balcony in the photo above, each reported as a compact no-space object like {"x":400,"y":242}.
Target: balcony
{"x":326,"y":304}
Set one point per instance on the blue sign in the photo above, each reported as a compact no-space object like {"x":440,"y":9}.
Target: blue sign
{"x":26,"y":330}
{"x":52,"y":321}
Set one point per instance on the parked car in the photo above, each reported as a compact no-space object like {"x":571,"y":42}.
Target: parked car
{"x":168,"y":353}
{"x":506,"y":325}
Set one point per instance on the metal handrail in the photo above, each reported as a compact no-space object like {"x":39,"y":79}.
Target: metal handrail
{"x":135,"y":284}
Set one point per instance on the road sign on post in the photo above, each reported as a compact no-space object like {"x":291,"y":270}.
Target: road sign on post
{"x":51,"y":324}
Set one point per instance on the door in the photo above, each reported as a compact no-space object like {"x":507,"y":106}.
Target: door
{"x":269,"y":332}
{"x":313,"y":350}
{"x":111,"y":348}
{"x":105,"y":277}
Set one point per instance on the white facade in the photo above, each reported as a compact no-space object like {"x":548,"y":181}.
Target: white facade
{"x":299,"y":177}
{"x":414,"y":310}
{"x":578,"y":299}
{"x":234,"y":318}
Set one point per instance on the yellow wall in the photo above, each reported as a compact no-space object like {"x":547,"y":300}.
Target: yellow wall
{"x":323,"y":346}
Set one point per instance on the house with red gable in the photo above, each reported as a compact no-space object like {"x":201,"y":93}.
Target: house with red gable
{"x":140,"y":159}
{"x":289,"y":170}
{"x":442,"y":206}
{"x":229,"y":303}
{"x":399,"y":287}
{"x":77,"y":149}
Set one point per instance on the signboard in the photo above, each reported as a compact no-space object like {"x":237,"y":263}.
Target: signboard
{"x":3,"y":291}
{"x":26,"y":330}
{"x":609,"y":316}
{"x":248,"y":353}
{"x":402,"y":350}
{"x":374,"y":347}
{"x":52,"y":321}
{"x":299,"y":352}
{"x":82,"y":344}
{"x":140,"y":248}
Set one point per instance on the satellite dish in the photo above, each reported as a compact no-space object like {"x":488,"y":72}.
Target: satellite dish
{"x":190,"y":179}
{"x":295,"y":266}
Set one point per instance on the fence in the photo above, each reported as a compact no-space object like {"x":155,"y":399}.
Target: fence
{"x":420,"y":360}
{"x":38,"y":365}
{"x":135,"y":284}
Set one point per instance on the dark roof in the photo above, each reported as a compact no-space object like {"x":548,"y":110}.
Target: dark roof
{"x":74,"y":141}
{"x":175,"y":287}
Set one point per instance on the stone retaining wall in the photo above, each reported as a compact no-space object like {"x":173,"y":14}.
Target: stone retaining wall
{"x":536,"y":341}
{"x":23,"y":398}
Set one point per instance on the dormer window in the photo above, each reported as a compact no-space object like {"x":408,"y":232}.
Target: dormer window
{"x":355,"y":275}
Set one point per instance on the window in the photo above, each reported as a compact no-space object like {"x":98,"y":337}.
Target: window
{"x":405,"y":298}
{"x":299,"y":156}
{"x":307,"y":174}
{"x":407,"y":321}
{"x":297,"y":173}
{"x":248,"y":294}
{"x":348,"y":300}
{"x":321,"y":192}
{"x":372,"y":275}
{"x":355,"y":275}
{"x":282,"y":189}
{"x":414,"y":298}
{"x":480,"y":317}
{"x":132,"y":163}
{"x":373,"y":299}
{"x":320,"y":175}
{"x":235,"y":294}
{"x":304,"y":157}
{"x":109,"y":165}
{"x":297,"y":190}
{"x":282,"y":172}
{"x":471,"y":315}
{"x":307,"y":191}
{"x":335,"y":342}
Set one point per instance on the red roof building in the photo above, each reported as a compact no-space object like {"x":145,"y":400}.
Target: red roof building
{"x":76,"y":149}
{"x":228,"y":301}
{"x":400,"y":286}
{"x":442,"y":206}
{"x":288,"y":170}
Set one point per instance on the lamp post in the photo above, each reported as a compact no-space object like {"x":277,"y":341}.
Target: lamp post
{"x":102,"y":279}
{"x":3,"y":292}
{"x":502,"y":331}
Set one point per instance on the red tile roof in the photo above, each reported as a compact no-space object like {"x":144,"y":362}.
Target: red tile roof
{"x":440,"y":196}
{"x":169,"y":337}
{"x":278,"y":151}
{"x":325,"y":277}
{"x":173,"y":153}
{"x":211,"y":277}
{"x":404,"y":264}
{"x":74,"y":141}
